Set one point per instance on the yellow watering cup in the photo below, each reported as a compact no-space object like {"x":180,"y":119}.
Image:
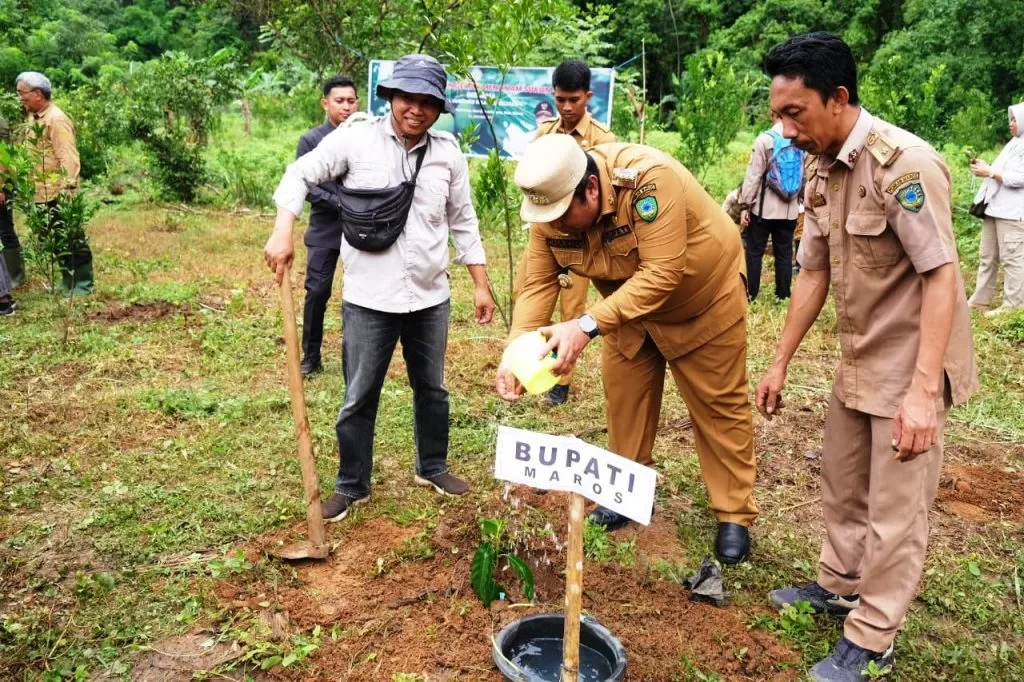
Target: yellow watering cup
{"x":523,"y":358}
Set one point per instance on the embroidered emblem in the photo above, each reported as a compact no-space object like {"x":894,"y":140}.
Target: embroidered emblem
{"x":564,"y":280}
{"x":620,"y":231}
{"x":901,"y":180}
{"x":647,"y":208}
{"x":854,"y":155}
{"x":564,"y":243}
{"x":818,"y":200}
{"x":644,"y":191}
{"x":862,"y":191}
{"x":538,"y":199}
{"x":911,"y":197}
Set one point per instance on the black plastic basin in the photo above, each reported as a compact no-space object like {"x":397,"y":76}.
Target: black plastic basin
{"x":530,"y":650}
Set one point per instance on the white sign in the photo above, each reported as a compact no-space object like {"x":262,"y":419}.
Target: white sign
{"x":569,"y":464}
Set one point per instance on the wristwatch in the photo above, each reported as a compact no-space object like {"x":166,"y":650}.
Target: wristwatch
{"x":588,"y":325}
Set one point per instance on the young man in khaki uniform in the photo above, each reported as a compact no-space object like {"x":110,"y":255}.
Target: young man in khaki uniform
{"x":878,"y":229}
{"x":668,"y":262}
{"x":571,"y":81}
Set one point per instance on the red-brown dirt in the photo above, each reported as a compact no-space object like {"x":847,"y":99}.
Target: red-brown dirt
{"x":395,"y":611}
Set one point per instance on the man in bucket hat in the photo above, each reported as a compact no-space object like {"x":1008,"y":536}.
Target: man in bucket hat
{"x":400,"y":293}
{"x":669,"y":264}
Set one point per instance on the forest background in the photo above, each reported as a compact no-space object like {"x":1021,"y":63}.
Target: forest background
{"x":146,"y":445}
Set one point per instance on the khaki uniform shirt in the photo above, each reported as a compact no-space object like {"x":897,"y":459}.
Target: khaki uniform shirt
{"x":663,"y":254}
{"x":877,"y":216}
{"x":57,"y":146}
{"x":587,"y":133}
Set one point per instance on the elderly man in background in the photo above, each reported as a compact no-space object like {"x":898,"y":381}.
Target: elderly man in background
{"x":52,"y":137}
{"x":396,"y":291}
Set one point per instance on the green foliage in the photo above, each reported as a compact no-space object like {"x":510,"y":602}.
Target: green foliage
{"x":57,"y":227}
{"x":492,"y":548}
{"x":711,"y":98}
{"x":1011,"y":328}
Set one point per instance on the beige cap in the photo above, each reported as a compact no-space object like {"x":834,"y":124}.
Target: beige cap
{"x":547,"y":175}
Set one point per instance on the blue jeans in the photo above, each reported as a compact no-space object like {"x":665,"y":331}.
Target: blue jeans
{"x":368,"y":342}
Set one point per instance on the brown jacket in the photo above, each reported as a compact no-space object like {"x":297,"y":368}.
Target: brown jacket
{"x":663,"y":254}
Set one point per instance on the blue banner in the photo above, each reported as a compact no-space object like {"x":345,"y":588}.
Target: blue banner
{"x":526,"y":100}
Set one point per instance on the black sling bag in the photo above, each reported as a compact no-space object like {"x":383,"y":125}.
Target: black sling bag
{"x":372,"y":219}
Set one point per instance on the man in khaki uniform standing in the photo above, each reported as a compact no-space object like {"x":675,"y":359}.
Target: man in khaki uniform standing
{"x":571,"y":81}
{"x":878,"y":229}
{"x":668,"y":262}
{"x":58,"y":169}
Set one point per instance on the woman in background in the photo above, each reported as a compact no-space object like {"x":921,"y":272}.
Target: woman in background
{"x":1002,"y":231}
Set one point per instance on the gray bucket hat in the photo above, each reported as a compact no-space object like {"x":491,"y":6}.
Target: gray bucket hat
{"x":419,"y":74}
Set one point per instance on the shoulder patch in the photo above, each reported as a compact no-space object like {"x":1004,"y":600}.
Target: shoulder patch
{"x":647,"y":208}
{"x":911,"y":197}
{"x":625,"y":177}
{"x":902,"y":180}
{"x":882,"y":148}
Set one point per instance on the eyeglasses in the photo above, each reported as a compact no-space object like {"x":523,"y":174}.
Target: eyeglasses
{"x":22,"y":93}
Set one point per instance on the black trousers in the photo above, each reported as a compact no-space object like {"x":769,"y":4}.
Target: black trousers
{"x":8,"y":237}
{"x":320,"y":267}
{"x":755,"y":239}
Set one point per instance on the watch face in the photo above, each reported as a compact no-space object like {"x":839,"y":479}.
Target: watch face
{"x":587,"y":324}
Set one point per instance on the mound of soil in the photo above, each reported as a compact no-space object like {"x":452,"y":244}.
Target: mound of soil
{"x":398,"y":600}
{"x":980,"y":493}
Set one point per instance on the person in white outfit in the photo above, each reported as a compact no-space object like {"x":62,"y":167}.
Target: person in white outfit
{"x":1002,"y":232}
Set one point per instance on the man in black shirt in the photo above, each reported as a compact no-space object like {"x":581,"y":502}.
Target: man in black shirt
{"x":323,"y":236}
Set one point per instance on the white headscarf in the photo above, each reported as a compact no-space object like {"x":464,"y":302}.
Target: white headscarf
{"x":1016,"y":143}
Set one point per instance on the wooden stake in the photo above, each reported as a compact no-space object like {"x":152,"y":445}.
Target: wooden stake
{"x":573,"y":591}
{"x":310,"y":483}
{"x":643,"y":97}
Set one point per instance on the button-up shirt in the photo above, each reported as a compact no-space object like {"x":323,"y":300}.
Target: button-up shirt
{"x":56,"y":145}
{"x":412,"y":274}
{"x":878,"y":216}
{"x":663,"y":254}
{"x":755,"y":186}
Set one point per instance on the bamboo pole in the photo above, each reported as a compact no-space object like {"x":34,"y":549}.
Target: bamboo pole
{"x":573,"y":591}
{"x":310,"y":484}
{"x":643,"y":96}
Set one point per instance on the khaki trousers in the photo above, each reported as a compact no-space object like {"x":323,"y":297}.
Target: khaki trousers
{"x":713,"y":382}
{"x":876,"y":519}
{"x":573,"y":300}
{"x":1001,"y":241}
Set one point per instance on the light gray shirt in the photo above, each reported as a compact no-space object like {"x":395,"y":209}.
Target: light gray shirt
{"x":775,"y":207}
{"x":1006,"y":199}
{"x":412,"y":274}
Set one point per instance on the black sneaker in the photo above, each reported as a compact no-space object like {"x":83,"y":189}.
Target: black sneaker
{"x":820,"y":599}
{"x":310,"y":367}
{"x":558,"y":395}
{"x":852,"y":663}
{"x":445,"y":483}
{"x":7,"y":307}
{"x":338,"y":506}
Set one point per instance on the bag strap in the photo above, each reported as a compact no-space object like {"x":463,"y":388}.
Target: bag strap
{"x":419,"y":161}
